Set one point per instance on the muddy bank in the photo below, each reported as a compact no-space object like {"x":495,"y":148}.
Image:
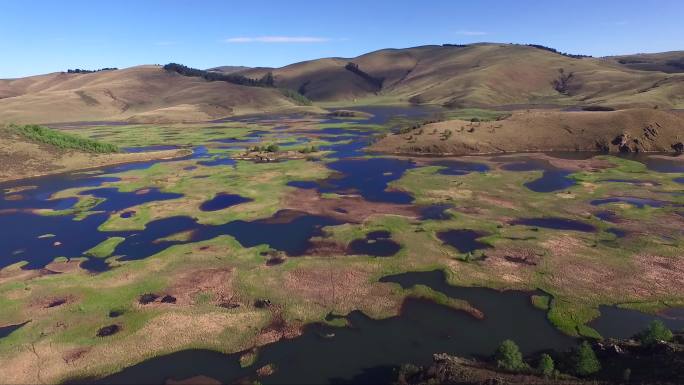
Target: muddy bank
{"x":632,"y":130}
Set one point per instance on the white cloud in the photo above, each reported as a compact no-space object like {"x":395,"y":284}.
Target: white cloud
{"x":471,"y":33}
{"x":277,"y":39}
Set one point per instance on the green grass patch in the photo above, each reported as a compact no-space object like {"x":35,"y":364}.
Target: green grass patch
{"x":105,"y":248}
{"x":62,"y":140}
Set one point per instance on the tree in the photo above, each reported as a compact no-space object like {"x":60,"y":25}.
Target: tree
{"x":267,"y":80}
{"x":656,"y":331}
{"x":546,"y":365}
{"x":585,"y":360}
{"x":508,"y":357}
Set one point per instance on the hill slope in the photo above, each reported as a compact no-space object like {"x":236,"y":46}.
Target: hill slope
{"x":141,"y":94}
{"x":670,"y":62}
{"x":481,"y":75}
{"x":22,"y":157}
{"x":476,"y":75}
{"x":625,"y":130}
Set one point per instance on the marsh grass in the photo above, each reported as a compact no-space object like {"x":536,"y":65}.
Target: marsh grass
{"x":62,"y":140}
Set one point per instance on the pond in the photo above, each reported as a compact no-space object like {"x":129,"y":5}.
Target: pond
{"x":366,"y":177}
{"x":464,"y":241}
{"x":376,"y":243}
{"x":222,"y":201}
{"x":552,"y":179}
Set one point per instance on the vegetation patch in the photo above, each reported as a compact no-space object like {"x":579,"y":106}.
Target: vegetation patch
{"x":62,"y":140}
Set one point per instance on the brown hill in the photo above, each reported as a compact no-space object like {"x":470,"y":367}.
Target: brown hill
{"x":670,"y":62}
{"x":476,"y":75}
{"x":481,"y":75}
{"x":624,"y":130}
{"x":140,"y":94}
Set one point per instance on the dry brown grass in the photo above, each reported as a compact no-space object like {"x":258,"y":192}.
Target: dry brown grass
{"x":139,"y":94}
{"x":547,"y":131}
{"x":20,"y":158}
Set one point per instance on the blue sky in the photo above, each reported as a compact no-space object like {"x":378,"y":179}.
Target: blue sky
{"x":45,"y":36}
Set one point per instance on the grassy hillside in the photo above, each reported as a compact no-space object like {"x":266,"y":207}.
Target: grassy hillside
{"x":477,"y":75}
{"x":62,"y":140}
{"x":481,"y":75}
{"x":670,"y":62}
{"x":141,"y":94}
{"x":627,"y":130}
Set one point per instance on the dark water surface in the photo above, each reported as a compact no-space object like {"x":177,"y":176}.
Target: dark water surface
{"x":617,"y":322}
{"x":376,"y":243}
{"x":464,"y":241}
{"x":222,"y":201}
{"x":7,"y":330}
{"x":552,"y":179}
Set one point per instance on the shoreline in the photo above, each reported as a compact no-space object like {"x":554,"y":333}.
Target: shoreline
{"x":136,"y":157}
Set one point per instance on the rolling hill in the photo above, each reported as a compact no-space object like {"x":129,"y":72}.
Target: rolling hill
{"x":670,"y":62}
{"x":138,"y":94}
{"x":454,"y":76}
{"x":481,"y":75}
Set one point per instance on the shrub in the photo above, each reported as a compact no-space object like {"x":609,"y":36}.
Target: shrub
{"x":508,"y":357}
{"x":585,"y":361}
{"x":656,"y":331}
{"x":546,"y":366}
{"x":272,"y":148}
{"x":297,"y":97}
{"x":81,"y":71}
{"x":265,"y":81}
{"x":354,"y":68}
{"x":62,"y":140}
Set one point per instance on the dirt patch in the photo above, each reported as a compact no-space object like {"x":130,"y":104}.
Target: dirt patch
{"x":341,"y":289}
{"x":640,"y":276}
{"x":74,"y":355}
{"x":216,"y":282}
{"x":513,"y":265}
{"x":326,"y":248}
{"x":53,"y":302}
{"x":351,"y":209}
{"x":664,"y":274}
